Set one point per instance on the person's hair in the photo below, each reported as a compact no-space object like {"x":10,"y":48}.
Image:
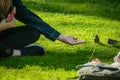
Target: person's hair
{"x":4,"y":7}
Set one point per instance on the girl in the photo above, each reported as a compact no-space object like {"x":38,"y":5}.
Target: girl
{"x":14,"y":40}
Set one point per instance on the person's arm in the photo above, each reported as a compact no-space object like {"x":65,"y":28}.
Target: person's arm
{"x":29,"y":18}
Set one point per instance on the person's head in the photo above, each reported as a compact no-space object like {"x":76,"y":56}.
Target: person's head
{"x":4,"y":7}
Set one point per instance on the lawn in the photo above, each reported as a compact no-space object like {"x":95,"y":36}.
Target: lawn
{"x":80,"y":18}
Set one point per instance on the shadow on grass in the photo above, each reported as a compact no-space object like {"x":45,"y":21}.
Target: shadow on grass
{"x":53,"y":60}
{"x":103,"y":44}
{"x":118,"y":47}
{"x":109,"y":46}
{"x":102,"y":8}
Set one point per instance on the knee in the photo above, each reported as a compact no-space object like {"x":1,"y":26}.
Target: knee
{"x":35,"y":34}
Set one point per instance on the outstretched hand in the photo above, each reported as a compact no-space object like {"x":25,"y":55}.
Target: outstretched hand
{"x":70,"y":40}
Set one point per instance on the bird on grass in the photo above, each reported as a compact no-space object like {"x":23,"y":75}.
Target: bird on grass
{"x":96,"y":39}
{"x":112,"y":41}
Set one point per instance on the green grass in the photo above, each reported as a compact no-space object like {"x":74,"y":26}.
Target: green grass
{"x":82,"y":19}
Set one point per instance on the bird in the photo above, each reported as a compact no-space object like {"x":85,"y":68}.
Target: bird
{"x":96,"y":39}
{"x":112,"y":41}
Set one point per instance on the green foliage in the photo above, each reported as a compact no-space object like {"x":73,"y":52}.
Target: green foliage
{"x":81,"y":18}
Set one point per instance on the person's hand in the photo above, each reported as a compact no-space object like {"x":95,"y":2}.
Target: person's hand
{"x":9,"y":21}
{"x":12,"y":22}
{"x":5,"y":25}
{"x":11,"y":16}
{"x":70,"y":40}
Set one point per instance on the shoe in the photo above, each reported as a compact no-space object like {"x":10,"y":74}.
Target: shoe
{"x":32,"y":50}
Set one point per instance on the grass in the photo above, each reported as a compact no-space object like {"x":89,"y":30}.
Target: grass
{"x":82,"y":19}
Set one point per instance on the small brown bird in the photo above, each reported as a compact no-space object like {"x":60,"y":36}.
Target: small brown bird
{"x":96,"y":39}
{"x":112,"y":41}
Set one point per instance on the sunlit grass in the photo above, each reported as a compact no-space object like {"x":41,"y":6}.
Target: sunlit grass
{"x":61,"y":59}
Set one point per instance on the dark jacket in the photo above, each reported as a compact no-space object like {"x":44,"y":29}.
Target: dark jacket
{"x":29,"y":18}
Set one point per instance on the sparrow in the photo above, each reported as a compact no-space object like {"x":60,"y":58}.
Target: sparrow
{"x":96,"y":39}
{"x":112,"y":41}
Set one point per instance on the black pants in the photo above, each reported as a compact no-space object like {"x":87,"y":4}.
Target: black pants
{"x":16,"y":38}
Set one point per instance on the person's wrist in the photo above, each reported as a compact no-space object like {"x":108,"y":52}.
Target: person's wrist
{"x":60,"y":37}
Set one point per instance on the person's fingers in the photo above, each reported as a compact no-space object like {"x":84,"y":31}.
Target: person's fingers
{"x":14,"y":10}
{"x":70,"y":40}
{"x":80,"y":41}
{"x":75,"y":38}
{"x":75,"y":42}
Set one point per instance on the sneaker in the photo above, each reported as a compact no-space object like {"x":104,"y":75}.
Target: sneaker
{"x":32,"y":50}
